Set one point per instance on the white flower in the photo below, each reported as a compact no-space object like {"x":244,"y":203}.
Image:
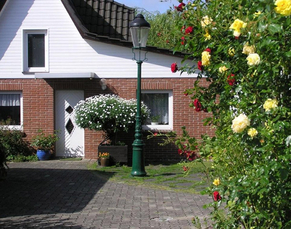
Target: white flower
{"x":288,"y":140}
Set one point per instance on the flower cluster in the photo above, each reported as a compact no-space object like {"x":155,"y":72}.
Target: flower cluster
{"x":240,"y":54}
{"x":109,"y":113}
{"x":190,"y":154}
{"x":104,"y":155}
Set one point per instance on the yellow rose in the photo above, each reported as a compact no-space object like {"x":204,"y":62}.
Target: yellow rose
{"x":216,"y":182}
{"x":248,"y":49}
{"x":237,"y":25}
{"x":283,"y":7}
{"x":253,"y":59}
{"x":207,"y":36}
{"x":256,"y":14}
{"x":270,"y":104}
{"x":231,"y":51}
{"x":222,"y":69}
{"x":206,"y":21}
{"x":205,"y":58}
{"x":252,"y":132}
{"x":240,"y":123}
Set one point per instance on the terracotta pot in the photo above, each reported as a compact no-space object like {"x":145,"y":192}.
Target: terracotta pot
{"x":104,"y":162}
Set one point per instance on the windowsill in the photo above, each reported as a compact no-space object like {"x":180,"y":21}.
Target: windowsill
{"x":33,"y":72}
{"x":11,"y":127}
{"x":157,"y":127}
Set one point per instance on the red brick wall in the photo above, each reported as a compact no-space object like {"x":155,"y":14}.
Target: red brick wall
{"x":38,"y":106}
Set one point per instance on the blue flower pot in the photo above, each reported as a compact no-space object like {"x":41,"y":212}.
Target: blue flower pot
{"x":43,"y":154}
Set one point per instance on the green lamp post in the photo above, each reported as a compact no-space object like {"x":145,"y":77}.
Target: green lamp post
{"x":139,"y":29}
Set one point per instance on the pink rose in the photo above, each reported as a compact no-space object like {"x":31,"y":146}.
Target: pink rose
{"x":174,"y":67}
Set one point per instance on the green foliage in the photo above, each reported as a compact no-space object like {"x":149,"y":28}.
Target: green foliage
{"x":161,"y":32}
{"x":109,"y":113}
{"x":13,"y":143}
{"x":44,"y":141}
{"x":250,"y":101}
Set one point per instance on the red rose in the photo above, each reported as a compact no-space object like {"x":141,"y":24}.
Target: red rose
{"x":208,"y":50}
{"x":216,"y":196}
{"x":183,"y":40}
{"x":200,"y":66}
{"x":189,"y":30}
{"x":155,"y":134}
{"x":180,"y":7}
{"x":180,"y":151}
{"x":167,"y":41}
{"x":174,"y":67}
{"x":197,"y":105}
{"x":231,"y":79}
{"x":159,"y":34}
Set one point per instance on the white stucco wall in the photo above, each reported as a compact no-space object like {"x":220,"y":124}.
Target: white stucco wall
{"x":68,"y":51}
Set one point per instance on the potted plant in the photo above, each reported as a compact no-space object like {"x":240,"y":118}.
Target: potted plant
{"x":112,"y":115}
{"x":155,"y":119}
{"x":44,"y":144}
{"x":104,"y":158}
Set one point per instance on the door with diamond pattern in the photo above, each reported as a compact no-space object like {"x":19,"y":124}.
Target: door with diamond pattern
{"x":71,"y":142}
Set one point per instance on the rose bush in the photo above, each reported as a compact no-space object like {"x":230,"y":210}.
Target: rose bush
{"x":246,"y":60}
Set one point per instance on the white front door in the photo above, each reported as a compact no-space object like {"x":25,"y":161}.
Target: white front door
{"x":71,"y":142}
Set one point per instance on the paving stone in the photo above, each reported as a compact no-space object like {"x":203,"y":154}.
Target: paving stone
{"x":62,"y":194}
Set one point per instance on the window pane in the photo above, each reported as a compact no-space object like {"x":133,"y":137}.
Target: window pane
{"x":159,"y":106}
{"x":10,"y":109}
{"x":36,"y":47}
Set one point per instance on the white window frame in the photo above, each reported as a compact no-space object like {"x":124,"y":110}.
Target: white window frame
{"x":171,"y":108}
{"x":25,"y":67}
{"x":15,"y":127}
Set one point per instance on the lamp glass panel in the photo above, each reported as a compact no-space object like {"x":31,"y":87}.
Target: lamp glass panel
{"x":139,"y":36}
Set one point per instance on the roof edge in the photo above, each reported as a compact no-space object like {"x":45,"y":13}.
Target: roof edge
{"x":114,"y":41}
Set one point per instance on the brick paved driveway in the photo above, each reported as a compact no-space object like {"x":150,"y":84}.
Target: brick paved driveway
{"x":62,"y":194}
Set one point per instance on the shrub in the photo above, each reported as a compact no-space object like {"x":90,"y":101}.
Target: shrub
{"x":242,"y":48}
{"x":13,"y":147}
{"x":108,"y":113}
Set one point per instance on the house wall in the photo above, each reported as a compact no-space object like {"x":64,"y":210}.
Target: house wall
{"x":70,"y":53}
{"x":38,"y":107}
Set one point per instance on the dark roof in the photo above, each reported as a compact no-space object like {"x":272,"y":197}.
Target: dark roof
{"x":2,"y":3}
{"x":106,"y":21}
{"x":103,"y":17}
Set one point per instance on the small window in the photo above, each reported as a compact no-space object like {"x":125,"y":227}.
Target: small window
{"x":160,"y":104}
{"x":11,"y":109}
{"x":35,"y":55}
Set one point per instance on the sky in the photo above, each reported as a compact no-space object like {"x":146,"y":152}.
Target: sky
{"x":150,"y":5}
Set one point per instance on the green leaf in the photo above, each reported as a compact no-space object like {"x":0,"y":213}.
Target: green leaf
{"x":274,"y":28}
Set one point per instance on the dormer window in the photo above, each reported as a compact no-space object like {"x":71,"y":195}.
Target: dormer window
{"x":35,"y":51}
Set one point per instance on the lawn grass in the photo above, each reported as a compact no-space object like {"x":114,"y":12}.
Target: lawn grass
{"x":71,"y":159}
{"x":167,"y":177}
